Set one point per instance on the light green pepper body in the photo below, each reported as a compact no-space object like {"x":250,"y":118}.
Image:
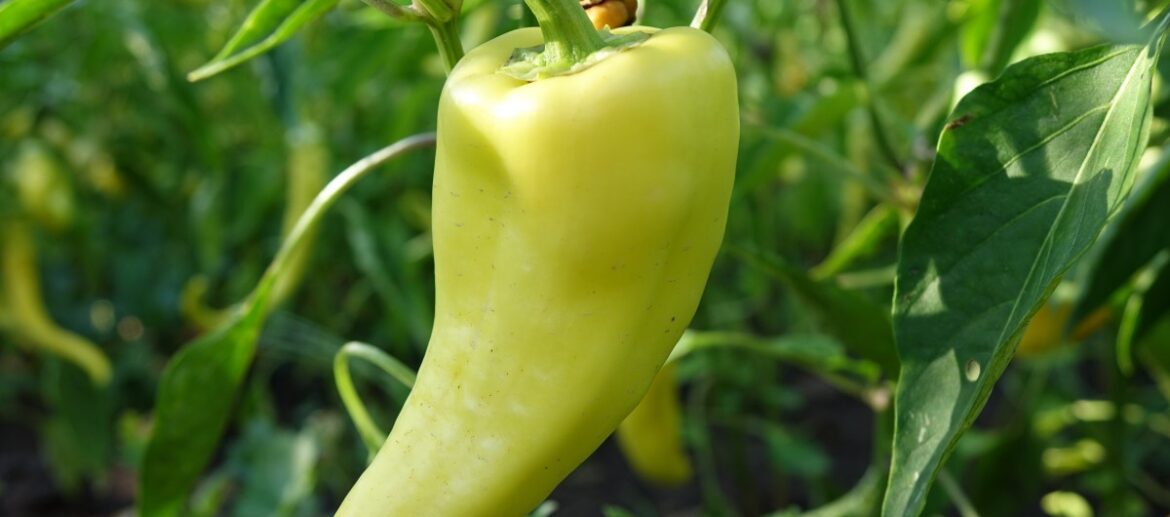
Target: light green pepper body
{"x":575,"y":221}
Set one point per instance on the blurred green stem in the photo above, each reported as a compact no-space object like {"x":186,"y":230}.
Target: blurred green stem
{"x":955,"y":492}
{"x":442,"y":19}
{"x":837,"y":164}
{"x":857,"y":59}
{"x":313,"y":215}
{"x":708,"y":14}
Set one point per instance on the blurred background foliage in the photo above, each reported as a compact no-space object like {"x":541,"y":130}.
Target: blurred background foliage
{"x":175,"y":192}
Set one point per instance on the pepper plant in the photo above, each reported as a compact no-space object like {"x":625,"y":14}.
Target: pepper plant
{"x":912,"y":204}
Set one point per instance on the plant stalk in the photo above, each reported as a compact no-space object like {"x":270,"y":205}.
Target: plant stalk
{"x":569,"y":36}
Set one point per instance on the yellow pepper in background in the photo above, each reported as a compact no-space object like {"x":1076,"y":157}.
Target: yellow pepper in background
{"x":43,"y":186}
{"x":1045,"y":332}
{"x":23,"y":308}
{"x":575,"y":221}
{"x":650,"y":437}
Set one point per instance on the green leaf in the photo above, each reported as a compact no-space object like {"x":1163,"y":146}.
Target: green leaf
{"x":817,"y":353}
{"x":1028,"y":171}
{"x":1139,"y":235}
{"x":195,"y":397}
{"x":78,"y":436}
{"x":861,"y":324}
{"x":276,"y":470}
{"x":1147,"y":308}
{"x":268,"y":25}
{"x":200,"y":383}
{"x":20,"y":16}
{"x":1156,"y":308}
{"x":865,"y":239}
{"x":998,"y":27}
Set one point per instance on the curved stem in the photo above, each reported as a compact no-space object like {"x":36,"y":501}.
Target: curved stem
{"x":371,"y":434}
{"x":324,"y":200}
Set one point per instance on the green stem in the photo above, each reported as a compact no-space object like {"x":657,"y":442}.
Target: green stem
{"x":857,"y":59}
{"x":313,"y":215}
{"x":568,"y":34}
{"x":952,"y":488}
{"x":373,"y":435}
{"x":446,"y":36}
{"x":708,"y":14}
{"x":438,"y":10}
{"x":837,"y":164}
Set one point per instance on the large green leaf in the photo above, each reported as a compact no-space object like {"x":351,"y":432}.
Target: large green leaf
{"x":20,"y":16}
{"x":1140,"y":234}
{"x":269,"y":24}
{"x":1027,"y":173}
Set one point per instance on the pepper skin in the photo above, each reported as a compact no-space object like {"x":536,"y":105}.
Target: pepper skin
{"x":575,"y":220}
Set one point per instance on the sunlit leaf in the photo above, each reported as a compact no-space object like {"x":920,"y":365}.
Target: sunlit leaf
{"x":268,"y":25}
{"x":19,"y":16}
{"x":1028,"y":170}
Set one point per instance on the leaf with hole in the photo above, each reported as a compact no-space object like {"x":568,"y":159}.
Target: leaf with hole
{"x":1028,"y":171}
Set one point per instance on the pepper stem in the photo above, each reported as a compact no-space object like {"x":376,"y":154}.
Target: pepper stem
{"x":569,"y":36}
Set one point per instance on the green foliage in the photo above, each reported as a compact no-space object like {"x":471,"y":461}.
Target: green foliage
{"x":965,"y":292}
{"x":793,"y":358}
{"x":20,"y":16}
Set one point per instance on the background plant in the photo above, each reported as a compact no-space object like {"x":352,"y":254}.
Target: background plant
{"x":843,"y":103}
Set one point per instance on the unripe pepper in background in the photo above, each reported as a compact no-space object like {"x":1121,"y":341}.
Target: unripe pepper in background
{"x":651,"y":436}
{"x":564,"y":273}
{"x":1045,"y":332}
{"x":43,"y":186}
{"x":23,"y":308}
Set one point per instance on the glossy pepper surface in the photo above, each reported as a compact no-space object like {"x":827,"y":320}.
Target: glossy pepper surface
{"x":575,"y":221}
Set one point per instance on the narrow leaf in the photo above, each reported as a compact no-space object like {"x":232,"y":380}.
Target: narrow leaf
{"x":195,"y":397}
{"x":861,"y":324}
{"x":268,"y":25}
{"x":20,"y":16}
{"x":1027,"y":173}
{"x":199,"y":385}
{"x":1155,"y":309}
{"x":1139,"y":236}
